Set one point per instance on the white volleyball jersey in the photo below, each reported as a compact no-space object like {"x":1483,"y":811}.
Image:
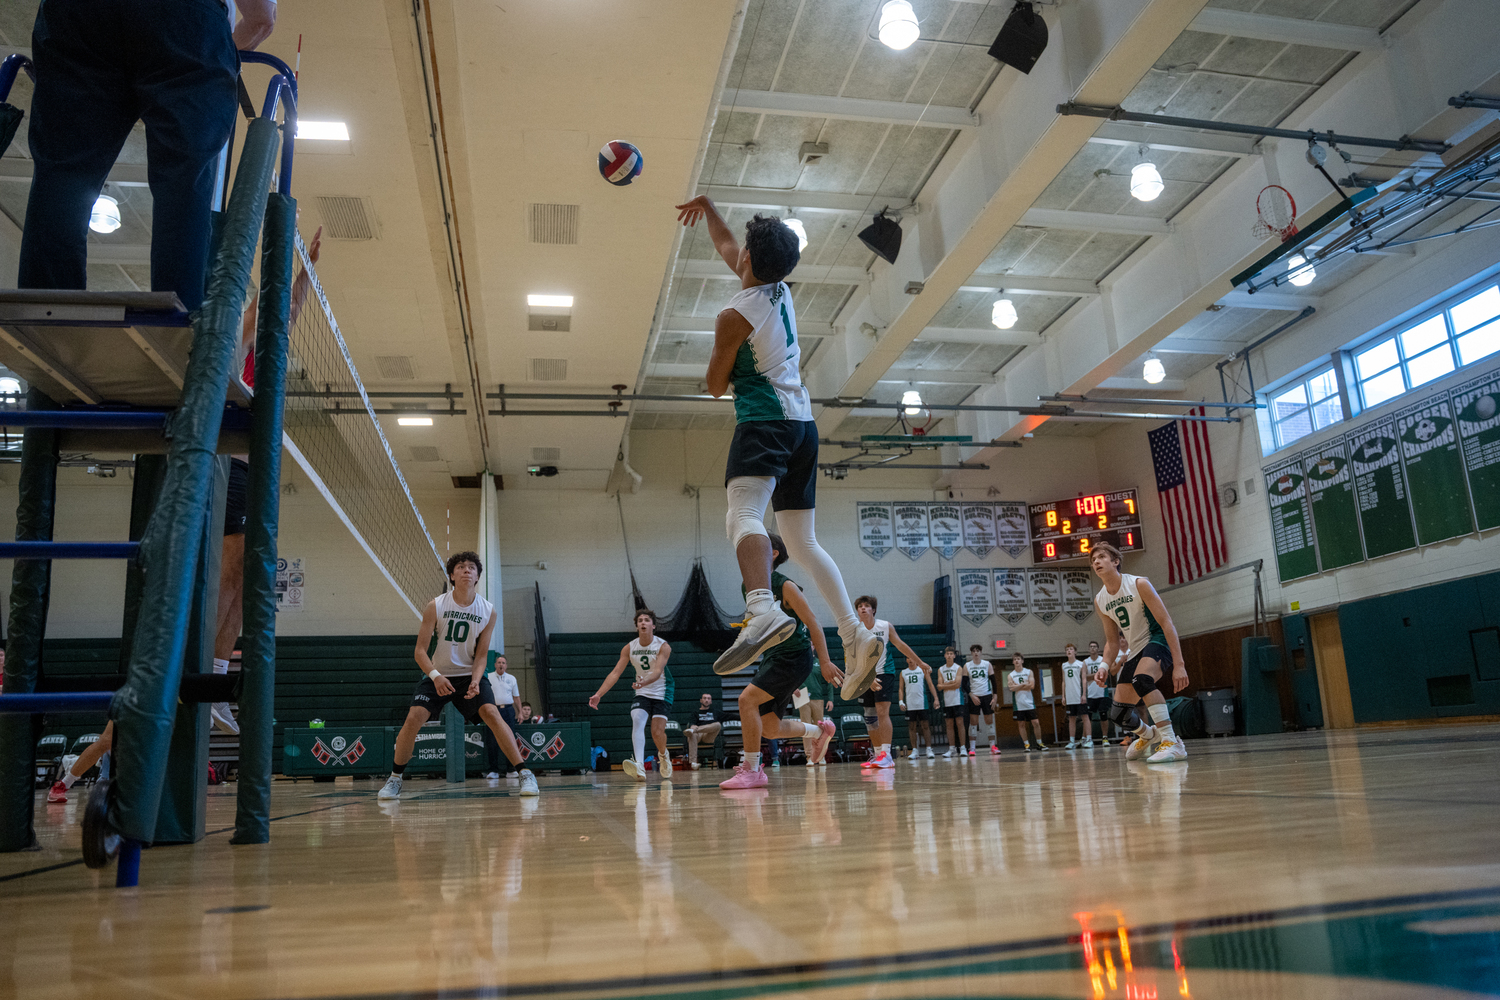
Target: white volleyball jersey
{"x":767,"y":372}
{"x":1073,"y":681}
{"x":458,"y":629}
{"x":1023,"y":699}
{"x":644,"y":659}
{"x":1092,"y":665}
{"x":979,"y":677}
{"x":882,"y":631}
{"x":914,"y":689}
{"x":1126,"y":609}
{"x":950,"y":673}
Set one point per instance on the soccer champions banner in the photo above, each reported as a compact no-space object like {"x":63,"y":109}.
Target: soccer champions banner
{"x":876,"y":534}
{"x":1078,"y":598}
{"x":1011,"y":532}
{"x":1476,"y":404}
{"x":1380,"y":489}
{"x":1045,"y":589}
{"x":946,"y":526}
{"x":1434,"y":470}
{"x":979,"y":527}
{"x":911,"y":529}
{"x":1010,"y":595}
{"x":975,"y":603}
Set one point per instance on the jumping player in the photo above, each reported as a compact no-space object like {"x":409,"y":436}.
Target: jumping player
{"x":648,"y":653}
{"x":463,"y":622}
{"x":1073,"y":670}
{"x":982,"y":694}
{"x":916,"y":681}
{"x":784,"y":668}
{"x":1022,"y":683}
{"x":1133,"y":612}
{"x":955,"y":716}
{"x":773,"y":458}
{"x":878,"y":700}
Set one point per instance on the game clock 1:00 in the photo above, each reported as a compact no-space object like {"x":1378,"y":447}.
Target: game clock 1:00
{"x":1069,"y":529}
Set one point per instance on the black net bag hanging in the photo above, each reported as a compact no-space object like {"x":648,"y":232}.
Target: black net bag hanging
{"x":698,"y":617}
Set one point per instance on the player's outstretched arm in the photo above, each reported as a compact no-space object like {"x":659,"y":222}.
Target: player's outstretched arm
{"x":1112,"y":637}
{"x":702,"y":207}
{"x":731,"y":330}
{"x":906,"y":651}
{"x":424,"y":637}
{"x":481,"y":656}
{"x":1174,"y":644}
{"x":797,"y":603}
{"x":927,"y":673}
{"x":614,"y":675}
{"x":659,"y":668}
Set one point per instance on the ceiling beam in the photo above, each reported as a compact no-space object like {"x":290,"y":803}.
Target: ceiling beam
{"x":1023,"y":284}
{"x":14,"y":168}
{"x":667,"y":369}
{"x":1171,"y":139}
{"x":802,"y":201}
{"x":1291,"y":30}
{"x":1166,"y":385}
{"x":1280,"y":301}
{"x":1217,"y":348}
{"x":987,"y":336}
{"x":938,"y":376}
{"x":122,"y":253}
{"x":704,"y":325}
{"x":810,"y":274}
{"x":847,"y":108}
{"x":1095,"y":222}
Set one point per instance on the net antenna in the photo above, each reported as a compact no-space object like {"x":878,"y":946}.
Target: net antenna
{"x":1275,"y":214}
{"x":333,"y":434}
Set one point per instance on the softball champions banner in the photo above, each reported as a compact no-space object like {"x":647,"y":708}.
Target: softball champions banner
{"x":1434,"y":470}
{"x":1010,"y":595}
{"x":1476,"y":405}
{"x":911,"y":529}
{"x":1045,"y":589}
{"x":946,"y":525}
{"x":975,"y":602}
{"x":979,"y":527}
{"x":876,"y":535}
{"x":1077,"y":595}
{"x":1011,"y":532}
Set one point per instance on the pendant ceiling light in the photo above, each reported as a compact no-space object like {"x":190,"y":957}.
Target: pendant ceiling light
{"x":1154,"y":371}
{"x":1302,"y":273}
{"x":105,"y":216}
{"x":1003,"y":315}
{"x":898,"y":25}
{"x":796,"y":226}
{"x":912,"y":400}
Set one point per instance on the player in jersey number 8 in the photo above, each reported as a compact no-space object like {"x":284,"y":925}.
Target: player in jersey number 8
{"x":1133,"y":614}
{"x":463,"y":622}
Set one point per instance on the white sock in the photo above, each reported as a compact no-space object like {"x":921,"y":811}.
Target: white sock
{"x":1161,"y":716}
{"x":68,"y":779}
{"x":752,"y":761}
{"x":811,"y":732}
{"x":885,"y":748}
{"x":759,"y":602}
{"x":638,"y":719}
{"x":221,"y":666}
{"x":803,"y":548}
{"x":971,"y":743}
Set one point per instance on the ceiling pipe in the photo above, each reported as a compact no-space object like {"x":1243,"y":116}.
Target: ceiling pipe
{"x":1208,"y":125}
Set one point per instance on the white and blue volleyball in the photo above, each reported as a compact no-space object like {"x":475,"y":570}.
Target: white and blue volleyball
{"x":620,"y":162}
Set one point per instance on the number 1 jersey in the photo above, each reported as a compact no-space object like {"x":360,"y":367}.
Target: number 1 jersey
{"x":458,"y":628}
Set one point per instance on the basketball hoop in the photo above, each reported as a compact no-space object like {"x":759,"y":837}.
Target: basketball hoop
{"x":1275,"y":214}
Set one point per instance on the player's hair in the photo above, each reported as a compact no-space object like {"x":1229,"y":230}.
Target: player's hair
{"x":648,"y":613}
{"x":463,"y":557}
{"x":951,"y":649}
{"x":976,"y":646}
{"x":1093,"y":642}
{"x":1017,"y":655}
{"x":867,"y":599}
{"x":1109,"y":550}
{"x":772,"y":246}
{"x":779,"y":548}
{"x":1070,"y":646}
{"x":526,"y":704}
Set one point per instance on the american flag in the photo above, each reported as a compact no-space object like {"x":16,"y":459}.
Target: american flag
{"x":1189,"y":498}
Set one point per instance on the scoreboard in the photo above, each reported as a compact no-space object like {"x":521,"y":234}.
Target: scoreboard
{"x":1069,"y":529}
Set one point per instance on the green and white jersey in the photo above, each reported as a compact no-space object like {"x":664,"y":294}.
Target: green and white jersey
{"x":1126,"y":609}
{"x":951,"y":672}
{"x":914,"y":689}
{"x":1073,"y":674}
{"x":979,"y":676}
{"x":644,"y":659}
{"x":1091,"y":665}
{"x":767,"y":375}
{"x":882,"y":631}
{"x":458,"y":627}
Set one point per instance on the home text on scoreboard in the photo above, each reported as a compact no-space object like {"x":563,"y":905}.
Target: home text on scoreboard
{"x":1069,"y":529}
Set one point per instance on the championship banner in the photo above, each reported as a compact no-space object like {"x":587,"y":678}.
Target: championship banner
{"x":975,"y":602}
{"x":1477,"y":406}
{"x":1291,"y":522}
{"x":945,"y":523}
{"x":876,"y":536}
{"x":1330,"y":487}
{"x":1010,"y":595}
{"x":1434,"y":470}
{"x":1045,"y":589}
{"x":1011,"y":522}
{"x":1078,"y":596}
{"x":911,"y":529}
{"x":979,"y":527}
{"x":1380,"y":489}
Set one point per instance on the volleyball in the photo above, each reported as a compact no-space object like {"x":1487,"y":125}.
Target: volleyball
{"x":620,"y":162}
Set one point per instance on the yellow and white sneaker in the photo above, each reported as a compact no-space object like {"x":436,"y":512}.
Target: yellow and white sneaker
{"x":1141,"y":744}
{"x":1167,"y":750}
{"x":635,"y":770}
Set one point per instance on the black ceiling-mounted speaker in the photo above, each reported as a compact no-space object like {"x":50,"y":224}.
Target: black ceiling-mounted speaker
{"x":883,"y":237}
{"x":1022,"y":39}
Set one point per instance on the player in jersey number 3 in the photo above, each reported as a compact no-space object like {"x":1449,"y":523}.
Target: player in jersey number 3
{"x":1135,"y":616}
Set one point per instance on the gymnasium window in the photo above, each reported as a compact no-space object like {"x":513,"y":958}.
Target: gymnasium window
{"x":1458,"y":335}
{"x":1309,"y":405}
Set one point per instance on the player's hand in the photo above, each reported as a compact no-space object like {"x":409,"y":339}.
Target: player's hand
{"x":1179,"y":678}
{"x":828,"y":708}
{"x":688,"y":214}
{"x":875,"y":685}
{"x":444,"y":688}
{"x":832,"y":674}
{"x":473,"y":691}
{"x":316,"y":246}
{"x":973,"y":699}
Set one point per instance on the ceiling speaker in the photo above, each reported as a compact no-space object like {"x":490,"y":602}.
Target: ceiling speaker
{"x":1022,"y":39}
{"x":883,"y":237}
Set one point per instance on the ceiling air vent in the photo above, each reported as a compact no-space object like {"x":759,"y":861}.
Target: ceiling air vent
{"x":425,"y":453}
{"x":346,"y":218}
{"x":395,"y":366}
{"x":557,"y":224}
{"x":546,"y":454}
{"x":549,"y":369}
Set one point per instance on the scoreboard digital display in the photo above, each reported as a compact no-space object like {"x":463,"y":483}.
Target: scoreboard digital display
{"x":1069,"y":529}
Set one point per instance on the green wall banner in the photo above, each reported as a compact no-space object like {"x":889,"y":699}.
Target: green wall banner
{"x":1331,"y":495}
{"x":1476,"y":405}
{"x":1291,"y":525}
{"x":1380,"y":489}
{"x":1434,"y":470}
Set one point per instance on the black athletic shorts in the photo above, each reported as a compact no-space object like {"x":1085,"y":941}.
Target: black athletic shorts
{"x":1099,"y":707}
{"x":426,"y":696}
{"x":986,"y":704}
{"x":780,"y":677}
{"x":235,"y":497}
{"x":1156,"y":651}
{"x":955,"y":712}
{"x":1025,"y":714}
{"x":786,"y":450}
{"x":915,"y":715}
{"x":887,"y":692}
{"x":655,"y":707}
{"x":1082,"y":708}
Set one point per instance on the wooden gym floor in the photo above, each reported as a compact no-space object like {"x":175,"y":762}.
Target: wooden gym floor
{"x":1317,"y":865}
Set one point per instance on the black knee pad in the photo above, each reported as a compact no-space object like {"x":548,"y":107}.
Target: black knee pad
{"x":1143,"y":685}
{"x":1120,"y":713}
{"x":871,"y":721}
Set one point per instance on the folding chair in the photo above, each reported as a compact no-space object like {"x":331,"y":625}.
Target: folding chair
{"x":853,"y":734}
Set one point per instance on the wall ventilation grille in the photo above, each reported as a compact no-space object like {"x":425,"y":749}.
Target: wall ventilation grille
{"x":346,"y":217}
{"x":546,"y":454}
{"x":395,"y":366}
{"x":556,"y":224}
{"x":549,"y":369}
{"x":425,"y":453}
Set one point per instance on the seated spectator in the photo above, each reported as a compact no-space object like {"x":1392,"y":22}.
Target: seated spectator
{"x":704,"y":727}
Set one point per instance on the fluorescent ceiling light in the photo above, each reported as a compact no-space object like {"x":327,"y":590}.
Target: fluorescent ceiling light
{"x":796,"y":226}
{"x":322,"y":130}
{"x":1301,"y":278}
{"x":898,"y":25}
{"x":414,"y":421}
{"x":1003,"y":314}
{"x":1154,"y":371}
{"x":105,"y":215}
{"x":560,"y":301}
{"x":912,"y":400}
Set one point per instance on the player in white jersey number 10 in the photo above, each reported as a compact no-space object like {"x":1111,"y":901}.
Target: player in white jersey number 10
{"x":1134,"y":615}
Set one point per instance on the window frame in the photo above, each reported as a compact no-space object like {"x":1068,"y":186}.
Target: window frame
{"x":1393,"y":333}
{"x":1327,"y":369}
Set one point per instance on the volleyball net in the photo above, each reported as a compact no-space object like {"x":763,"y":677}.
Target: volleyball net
{"x":333,"y":434}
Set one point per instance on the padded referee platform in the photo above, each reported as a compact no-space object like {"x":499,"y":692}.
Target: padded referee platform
{"x":105,"y":350}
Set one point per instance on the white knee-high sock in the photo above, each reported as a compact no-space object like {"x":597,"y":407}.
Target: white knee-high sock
{"x":638,"y":719}
{"x":803,"y":548}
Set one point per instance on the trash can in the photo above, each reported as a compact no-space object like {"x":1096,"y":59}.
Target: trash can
{"x":1218,"y":711}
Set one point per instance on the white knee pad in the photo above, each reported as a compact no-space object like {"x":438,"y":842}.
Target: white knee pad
{"x":748,"y":497}
{"x":638,"y":719}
